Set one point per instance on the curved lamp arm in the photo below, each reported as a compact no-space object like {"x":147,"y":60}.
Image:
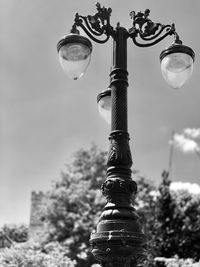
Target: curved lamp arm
{"x":149,"y":32}
{"x":75,"y":50}
{"x":96,"y":25}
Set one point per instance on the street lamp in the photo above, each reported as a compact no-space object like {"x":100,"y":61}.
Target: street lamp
{"x":119,"y":239}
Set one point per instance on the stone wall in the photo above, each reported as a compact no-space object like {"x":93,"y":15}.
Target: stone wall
{"x":36,"y":226}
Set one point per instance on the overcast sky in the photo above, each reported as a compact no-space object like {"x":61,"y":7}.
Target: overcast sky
{"x":45,"y":116}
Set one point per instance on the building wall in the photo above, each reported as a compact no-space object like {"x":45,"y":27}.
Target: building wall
{"x":36,"y":225}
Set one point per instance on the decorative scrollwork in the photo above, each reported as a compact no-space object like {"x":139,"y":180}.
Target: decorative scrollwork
{"x":119,"y":185}
{"x":96,"y":25}
{"x":144,"y":28}
{"x":101,"y":18}
{"x":148,"y":31}
{"x":119,"y":154}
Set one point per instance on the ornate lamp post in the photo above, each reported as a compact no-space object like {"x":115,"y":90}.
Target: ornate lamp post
{"x":119,"y":239}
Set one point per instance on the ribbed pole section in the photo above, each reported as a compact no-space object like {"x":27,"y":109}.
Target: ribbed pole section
{"x":119,"y":81}
{"x":119,"y":158}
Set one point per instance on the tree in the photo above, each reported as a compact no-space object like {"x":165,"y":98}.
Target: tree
{"x":175,"y":223}
{"x":76,"y":202}
{"x":164,"y":228}
{"x":187,"y":224}
{"x":17,"y":233}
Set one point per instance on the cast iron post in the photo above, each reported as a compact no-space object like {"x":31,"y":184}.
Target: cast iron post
{"x":118,"y":239}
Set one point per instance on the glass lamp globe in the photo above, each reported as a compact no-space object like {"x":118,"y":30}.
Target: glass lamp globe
{"x":74,"y":53}
{"x":177,"y":64}
{"x":104,"y":105}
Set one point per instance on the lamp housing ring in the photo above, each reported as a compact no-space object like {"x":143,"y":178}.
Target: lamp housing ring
{"x":177,"y":48}
{"x":74,"y":38}
{"x":103,"y":94}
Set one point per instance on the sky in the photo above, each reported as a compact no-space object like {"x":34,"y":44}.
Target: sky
{"x":45,"y":117}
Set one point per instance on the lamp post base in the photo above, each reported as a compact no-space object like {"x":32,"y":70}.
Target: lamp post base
{"x":119,"y":239}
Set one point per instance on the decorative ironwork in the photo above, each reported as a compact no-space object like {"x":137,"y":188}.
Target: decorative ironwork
{"x":102,"y":17}
{"x":118,"y":186}
{"x":119,"y":153}
{"x":148,"y":31}
{"x":96,"y":25}
{"x":144,"y":28}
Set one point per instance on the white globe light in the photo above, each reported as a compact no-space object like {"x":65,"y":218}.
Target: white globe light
{"x":177,"y":65}
{"x":74,"y":53}
{"x":104,"y":105}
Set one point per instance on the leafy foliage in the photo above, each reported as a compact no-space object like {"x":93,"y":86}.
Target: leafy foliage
{"x":176,"y":262}
{"x":186,"y":224}
{"x":174,"y":226}
{"x":33,"y":255}
{"x":145,"y":202}
{"x":17,"y":233}
{"x":163,"y":229}
{"x":76,"y":202}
